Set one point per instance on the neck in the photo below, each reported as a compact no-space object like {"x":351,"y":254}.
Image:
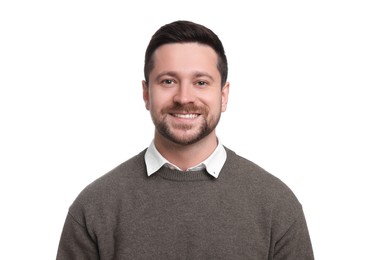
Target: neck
{"x":186,"y":156}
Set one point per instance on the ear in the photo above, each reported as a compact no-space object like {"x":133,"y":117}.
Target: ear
{"x":225,"y":96}
{"x":145,"y":94}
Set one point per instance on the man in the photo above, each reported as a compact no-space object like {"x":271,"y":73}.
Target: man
{"x":186,"y":196}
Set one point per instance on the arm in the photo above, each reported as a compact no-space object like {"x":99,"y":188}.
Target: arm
{"x":295,"y":243}
{"x":76,"y":243}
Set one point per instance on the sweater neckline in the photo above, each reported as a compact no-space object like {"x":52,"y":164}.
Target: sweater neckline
{"x":176,"y":175}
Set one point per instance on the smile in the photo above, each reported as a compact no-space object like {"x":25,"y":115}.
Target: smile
{"x":187,"y":116}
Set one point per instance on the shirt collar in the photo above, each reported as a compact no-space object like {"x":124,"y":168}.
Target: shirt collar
{"x":213,"y":164}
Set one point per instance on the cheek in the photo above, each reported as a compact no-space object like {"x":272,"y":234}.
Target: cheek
{"x":155,"y":103}
{"x":160,"y":99}
{"x":213,"y":101}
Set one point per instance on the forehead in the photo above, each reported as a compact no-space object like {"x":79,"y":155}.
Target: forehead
{"x":183,"y":55}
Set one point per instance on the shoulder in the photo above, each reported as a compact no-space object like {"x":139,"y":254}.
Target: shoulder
{"x":132,"y":169}
{"x":241,"y":167}
{"x":261,"y":184}
{"x":266,"y":191}
{"x":110,"y":187}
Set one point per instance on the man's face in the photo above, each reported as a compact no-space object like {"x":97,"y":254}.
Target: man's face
{"x":184,"y":94}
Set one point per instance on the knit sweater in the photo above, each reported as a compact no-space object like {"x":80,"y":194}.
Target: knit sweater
{"x":246,"y":213}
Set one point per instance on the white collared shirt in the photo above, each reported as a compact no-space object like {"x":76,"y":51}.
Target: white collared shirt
{"x":213,"y":164}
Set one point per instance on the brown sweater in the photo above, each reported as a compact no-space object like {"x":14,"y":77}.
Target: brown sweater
{"x":246,"y":213}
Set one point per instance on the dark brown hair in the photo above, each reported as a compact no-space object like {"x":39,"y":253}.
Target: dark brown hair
{"x":182,"y":32}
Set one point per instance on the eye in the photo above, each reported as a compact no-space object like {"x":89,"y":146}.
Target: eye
{"x":201,"y":83}
{"x":167,"y":81}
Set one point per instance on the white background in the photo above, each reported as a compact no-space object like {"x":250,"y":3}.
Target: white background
{"x":71,"y":106}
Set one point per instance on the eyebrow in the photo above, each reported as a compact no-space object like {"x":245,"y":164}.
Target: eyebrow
{"x":196,"y":74}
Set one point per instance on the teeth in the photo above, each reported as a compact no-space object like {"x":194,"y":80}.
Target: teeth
{"x":186,"y":115}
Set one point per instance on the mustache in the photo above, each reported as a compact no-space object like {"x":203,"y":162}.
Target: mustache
{"x":185,"y":108}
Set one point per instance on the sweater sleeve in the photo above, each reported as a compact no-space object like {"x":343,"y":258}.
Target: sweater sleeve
{"x":295,"y":243}
{"x":76,"y":243}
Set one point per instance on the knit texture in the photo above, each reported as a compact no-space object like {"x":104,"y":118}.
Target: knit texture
{"x":246,"y":213}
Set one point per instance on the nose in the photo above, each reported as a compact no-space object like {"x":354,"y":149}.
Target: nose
{"x":184,"y":94}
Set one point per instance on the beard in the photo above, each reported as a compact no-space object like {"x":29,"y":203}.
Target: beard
{"x":191,"y":133}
